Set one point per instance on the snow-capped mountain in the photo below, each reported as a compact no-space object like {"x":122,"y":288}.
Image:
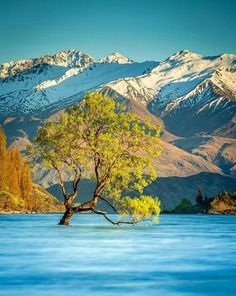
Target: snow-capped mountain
{"x":116,"y":58}
{"x":186,"y":87}
{"x":70,"y":58}
{"x":185,"y":81}
{"x":30,"y":86}
{"x":193,"y":96}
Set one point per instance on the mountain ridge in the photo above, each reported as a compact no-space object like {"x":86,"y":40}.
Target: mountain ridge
{"x":192,"y":96}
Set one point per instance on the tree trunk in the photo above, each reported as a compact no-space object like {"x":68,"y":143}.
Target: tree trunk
{"x":65,"y":220}
{"x":70,"y":210}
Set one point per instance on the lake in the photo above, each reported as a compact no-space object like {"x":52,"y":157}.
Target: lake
{"x":182,"y":255}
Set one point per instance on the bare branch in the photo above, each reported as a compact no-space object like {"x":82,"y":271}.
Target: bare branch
{"x":86,"y":206}
{"x":77,"y":173}
{"x":97,"y":161}
{"x":114,"y":223}
{"x":77,"y":177}
{"x":105,"y":216}
{"x":102,"y":198}
{"x":61,"y":180}
{"x":76,"y":182}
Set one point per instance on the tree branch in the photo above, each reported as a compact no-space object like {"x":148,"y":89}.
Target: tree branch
{"x":105,"y":216}
{"x":97,"y":161}
{"x":76,"y":179}
{"x":61,"y":180}
{"x":77,"y":174}
{"x":106,"y":176}
{"x":102,"y":198}
{"x":86,"y":206}
{"x":114,"y":223}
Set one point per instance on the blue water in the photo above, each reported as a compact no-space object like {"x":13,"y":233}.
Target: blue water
{"x":182,"y":255}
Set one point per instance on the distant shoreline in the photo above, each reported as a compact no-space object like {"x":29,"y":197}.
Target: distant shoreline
{"x":28,"y":213}
{"x":164,"y":213}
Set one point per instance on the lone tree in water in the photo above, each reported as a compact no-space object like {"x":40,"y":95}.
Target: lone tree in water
{"x":100,"y":139}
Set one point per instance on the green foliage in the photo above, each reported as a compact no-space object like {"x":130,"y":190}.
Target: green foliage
{"x":199,"y":196}
{"x":185,"y":206}
{"x":99,"y":139}
{"x":224,"y":203}
{"x":8,"y":200}
{"x":140,"y":208}
{"x":15,"y":178}
{"x":17,"y":193}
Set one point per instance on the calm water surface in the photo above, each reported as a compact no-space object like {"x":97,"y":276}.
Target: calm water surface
{"x":182,"y":255}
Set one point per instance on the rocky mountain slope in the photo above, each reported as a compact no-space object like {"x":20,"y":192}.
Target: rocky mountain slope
{"x":30,"y":87}
{"x":187,"y":88}
{"x":192,"y":96}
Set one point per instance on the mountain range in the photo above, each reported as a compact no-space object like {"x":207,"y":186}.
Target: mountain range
{"x":192,"y":96}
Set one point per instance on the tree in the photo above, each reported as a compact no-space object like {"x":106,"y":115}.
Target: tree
{"x":3,"y":159}
{"x":99,"y":139}
{"x":185,"y":206}
{"x":223,"y":203}
{"x":199,"y":196}
{"x":8,"y":201}
{"x":14,"y":171}
{"x":15,"y":178}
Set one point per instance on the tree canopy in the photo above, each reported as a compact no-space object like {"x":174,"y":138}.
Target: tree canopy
{"x":100,"y":139}
{"x":15,"y":179}
{"x":199,"y":196}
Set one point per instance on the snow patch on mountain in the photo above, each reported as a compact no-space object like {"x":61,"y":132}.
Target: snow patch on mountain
{"x":179,"y":75}
{"x":184,"y":56}
{"x":28,"y":92}
{"x":116,"y":58}
{"x":70,"y":58}
{"x":185,"y":79}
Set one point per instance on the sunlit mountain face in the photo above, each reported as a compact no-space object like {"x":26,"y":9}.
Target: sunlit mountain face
{"x":192,"y":96}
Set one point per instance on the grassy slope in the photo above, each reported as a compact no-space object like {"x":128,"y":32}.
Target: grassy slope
{"x":43,"y":202}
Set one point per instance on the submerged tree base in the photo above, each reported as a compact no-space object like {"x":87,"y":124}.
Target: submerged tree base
{"x":65,"y":220}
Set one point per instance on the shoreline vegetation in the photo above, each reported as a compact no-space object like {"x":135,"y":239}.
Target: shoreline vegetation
{"x":223,"y":203}
{"x":43,"y":203}
{"x":162,"y":213}
{"x":18,"y":192}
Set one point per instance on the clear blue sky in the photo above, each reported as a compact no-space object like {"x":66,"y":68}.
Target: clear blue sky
{"x":140,"y":29}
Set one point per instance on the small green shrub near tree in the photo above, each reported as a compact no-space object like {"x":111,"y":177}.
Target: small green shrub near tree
{"x":185,"y":206}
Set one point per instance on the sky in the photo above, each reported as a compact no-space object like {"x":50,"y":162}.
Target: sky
{"x":141,"y":30}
